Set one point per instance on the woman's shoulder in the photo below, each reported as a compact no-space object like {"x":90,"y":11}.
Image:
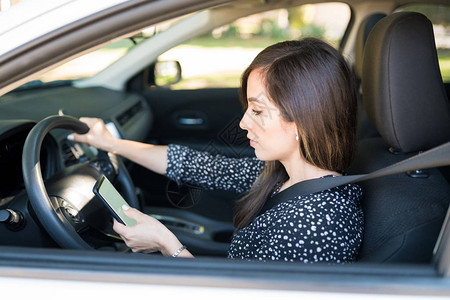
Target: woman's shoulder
{"x":342,"y":198}
{"x":349,"y":191}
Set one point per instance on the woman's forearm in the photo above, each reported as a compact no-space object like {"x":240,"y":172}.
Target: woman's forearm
{"x":150,"y":156}
{"x":153,"y":157}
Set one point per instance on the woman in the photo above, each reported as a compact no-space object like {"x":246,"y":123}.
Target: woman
{"x":301,"y":120}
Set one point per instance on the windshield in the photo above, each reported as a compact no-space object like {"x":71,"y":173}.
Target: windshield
{"x":92,"y":63}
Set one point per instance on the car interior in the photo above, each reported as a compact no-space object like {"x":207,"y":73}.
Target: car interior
{"x":401,"y":218}
{"x":46,"y":198}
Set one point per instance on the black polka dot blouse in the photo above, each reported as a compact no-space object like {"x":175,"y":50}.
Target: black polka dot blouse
{"x":322,"y":227}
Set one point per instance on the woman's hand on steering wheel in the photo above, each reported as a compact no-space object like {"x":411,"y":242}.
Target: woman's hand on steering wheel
{"x":98,"y":135}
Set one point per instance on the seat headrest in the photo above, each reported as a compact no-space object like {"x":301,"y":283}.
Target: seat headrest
{"x":364,"y":29}
{"x":402,"y":86}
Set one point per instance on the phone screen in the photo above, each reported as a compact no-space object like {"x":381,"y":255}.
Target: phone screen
{"x":113,"y":200}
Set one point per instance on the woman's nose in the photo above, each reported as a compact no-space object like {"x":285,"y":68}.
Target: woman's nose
{"x":244,"y":122}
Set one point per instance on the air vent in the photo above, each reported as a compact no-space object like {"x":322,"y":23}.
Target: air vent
{"x":124,"y":117}
{"x":71,"y":152}
{"x":68,"y":156}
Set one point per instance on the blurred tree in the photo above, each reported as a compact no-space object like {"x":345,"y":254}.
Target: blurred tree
{"x":437,"y":14}
{"x":270,"y":28}
{"x":301,"y":20}
{"x":296,"y":16}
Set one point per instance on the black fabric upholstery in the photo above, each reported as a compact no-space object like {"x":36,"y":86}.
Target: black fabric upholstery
{"x":365,"y":127}
{"x":405,"y":98}
{"x":364,"y":29}
{"x":403,"y":215}
{"x":402,"y":84}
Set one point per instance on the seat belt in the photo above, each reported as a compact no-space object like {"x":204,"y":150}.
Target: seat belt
{"x":435,"y":157}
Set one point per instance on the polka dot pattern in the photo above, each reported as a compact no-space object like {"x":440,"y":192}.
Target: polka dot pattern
{"x":211,"y":172}
{"x":322,"y":227}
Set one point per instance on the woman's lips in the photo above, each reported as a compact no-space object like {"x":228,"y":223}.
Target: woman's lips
{"x":252,"y":142}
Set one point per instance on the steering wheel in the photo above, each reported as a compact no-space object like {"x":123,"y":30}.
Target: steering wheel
{"x":65,"y":205}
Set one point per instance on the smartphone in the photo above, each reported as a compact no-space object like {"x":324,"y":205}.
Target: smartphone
{"x":104,"y":189}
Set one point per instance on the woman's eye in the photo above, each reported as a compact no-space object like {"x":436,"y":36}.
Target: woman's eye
{"x":256,"y":112}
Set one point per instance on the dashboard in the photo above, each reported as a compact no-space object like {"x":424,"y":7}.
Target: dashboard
{"x":11,"y":146}
{"x":128,"y":115}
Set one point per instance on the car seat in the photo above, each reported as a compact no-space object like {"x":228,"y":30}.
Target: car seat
{"x":405,"y":99}
{"x":365,"y":27}
{"x":365,"y":127}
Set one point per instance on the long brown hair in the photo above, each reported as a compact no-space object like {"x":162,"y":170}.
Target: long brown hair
{"x":311,"y":84}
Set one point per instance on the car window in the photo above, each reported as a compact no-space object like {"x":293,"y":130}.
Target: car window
{"x":217,"y":59}
{"x":93,"y":62}
{"x":439,"y":15}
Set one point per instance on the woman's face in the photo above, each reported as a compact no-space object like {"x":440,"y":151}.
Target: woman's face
{"x":272,"y":137}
